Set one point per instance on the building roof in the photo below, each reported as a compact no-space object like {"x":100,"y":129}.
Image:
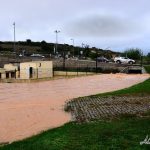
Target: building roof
{"x":30,"y":62}
{"x":2,"y":70}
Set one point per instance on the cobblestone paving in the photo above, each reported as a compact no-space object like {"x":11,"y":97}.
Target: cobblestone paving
{"x":88,"y":109}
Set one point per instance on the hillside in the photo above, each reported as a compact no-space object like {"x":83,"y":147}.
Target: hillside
{"x":30,"y":47}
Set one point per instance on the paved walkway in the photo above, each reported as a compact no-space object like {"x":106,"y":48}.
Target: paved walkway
{"x":101,"y":108}
{"x":29,"y":108}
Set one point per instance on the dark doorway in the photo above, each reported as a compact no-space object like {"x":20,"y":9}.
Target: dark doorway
{"x":7,"y":75}
{"x":31,"y":72}
{"x":13,"y":75}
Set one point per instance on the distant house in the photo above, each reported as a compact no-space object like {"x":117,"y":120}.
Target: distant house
{"x":27,"y":70}
{"x":36,"y":69}
{"x":9,"y":71}
{"x":2,"y":73}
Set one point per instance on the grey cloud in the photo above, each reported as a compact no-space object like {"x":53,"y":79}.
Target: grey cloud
{"x":103,"y":26}
{"x":99,"y":22}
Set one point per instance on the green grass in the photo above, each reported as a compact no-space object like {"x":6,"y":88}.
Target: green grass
{"x":124,"y":133}
{"x":147,"y":68}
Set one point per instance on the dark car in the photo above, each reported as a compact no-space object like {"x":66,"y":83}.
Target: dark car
{"x":102,"y":59}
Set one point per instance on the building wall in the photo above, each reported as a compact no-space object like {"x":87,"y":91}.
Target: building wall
{"x":24,"y":70}
{"x":8,"y":75}
{"x":3,"y":75}
{"x":41,"y":69}
{"x":10,"y":67}
{"x":45,"y":69}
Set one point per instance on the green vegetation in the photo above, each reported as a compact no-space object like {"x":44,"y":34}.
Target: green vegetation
{"x":133,"y":53}
{"x":118,"y":134}
{"x":147,"y":68}
{"x":48,"y":48}
{"x":123,"y":133}
{"x":137,"y":54}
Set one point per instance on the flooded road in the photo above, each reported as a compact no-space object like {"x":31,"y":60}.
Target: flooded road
{"x":29,"y":108}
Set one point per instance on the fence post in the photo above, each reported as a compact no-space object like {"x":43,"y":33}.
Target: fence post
{"x":37,"y":73}
{"x":66,"y":71}
{"x":77,"y":68}
{"x":86,"y":69}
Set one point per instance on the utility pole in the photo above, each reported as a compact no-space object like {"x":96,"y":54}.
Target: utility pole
{"x":82,"y":49}
{"x":141,"y":58}
{"x":56,"y":44}
{"x":73,"y":45}
{"x":96,"y":60}
{"x":14,"y":24}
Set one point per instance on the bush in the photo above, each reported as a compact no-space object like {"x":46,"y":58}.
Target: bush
{"x":133,"y":53}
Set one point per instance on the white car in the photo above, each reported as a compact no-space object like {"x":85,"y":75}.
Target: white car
{"x":37,"y":55}
{"x":124,"y":60}
{"x":20,"y":55}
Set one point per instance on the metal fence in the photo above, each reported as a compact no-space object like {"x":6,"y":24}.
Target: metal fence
{"x":86,"y":66}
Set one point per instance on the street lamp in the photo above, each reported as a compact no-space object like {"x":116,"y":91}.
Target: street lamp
{"x":14,"y":24}
{"x":83,"y":45}
{"x":82,"y":49}
{"x":96,"y":60}
{"x":73,"y":46}
{"x":56,"y":44}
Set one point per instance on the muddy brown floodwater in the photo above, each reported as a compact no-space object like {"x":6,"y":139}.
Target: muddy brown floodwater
{"x":29,"y":108}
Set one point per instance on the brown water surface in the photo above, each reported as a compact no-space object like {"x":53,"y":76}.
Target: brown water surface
{"x":29,"y":108}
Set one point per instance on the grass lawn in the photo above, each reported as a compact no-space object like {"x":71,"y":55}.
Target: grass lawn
{"x":123,"y":133}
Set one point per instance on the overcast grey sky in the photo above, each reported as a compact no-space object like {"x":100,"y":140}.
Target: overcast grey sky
{"x":118,"y":24}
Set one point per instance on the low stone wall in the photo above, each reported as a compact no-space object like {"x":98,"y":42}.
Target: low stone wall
{"x":67,"y":73}
{"x":24,"y":80}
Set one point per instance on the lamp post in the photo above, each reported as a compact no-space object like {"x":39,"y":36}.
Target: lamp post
{"x":82,"y":45}
{"x":82,"y":49}
{"x":73,"y":45}
{"x":96,"y":60}
{"x":141,"y":58}
{"x":64,"y":57}
{"x":56,"y":44}
{"x":14,"y":24}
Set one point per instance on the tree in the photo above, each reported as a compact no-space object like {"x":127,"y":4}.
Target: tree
{"x":148,"y":55}
{"x":133,"y":53}
{"x":93,"y":55}
{"x":43,"y":42}
{"x":44,"y":46}
{"x":86,"y":51}
{"x":1,"y":48}
{"x":29,"y":42}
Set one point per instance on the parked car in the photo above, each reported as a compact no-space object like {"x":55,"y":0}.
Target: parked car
{"x":124,"y":60}
{"x":20,"y":55}
{"x":37,"y":55}
{"x":102,"y":59}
